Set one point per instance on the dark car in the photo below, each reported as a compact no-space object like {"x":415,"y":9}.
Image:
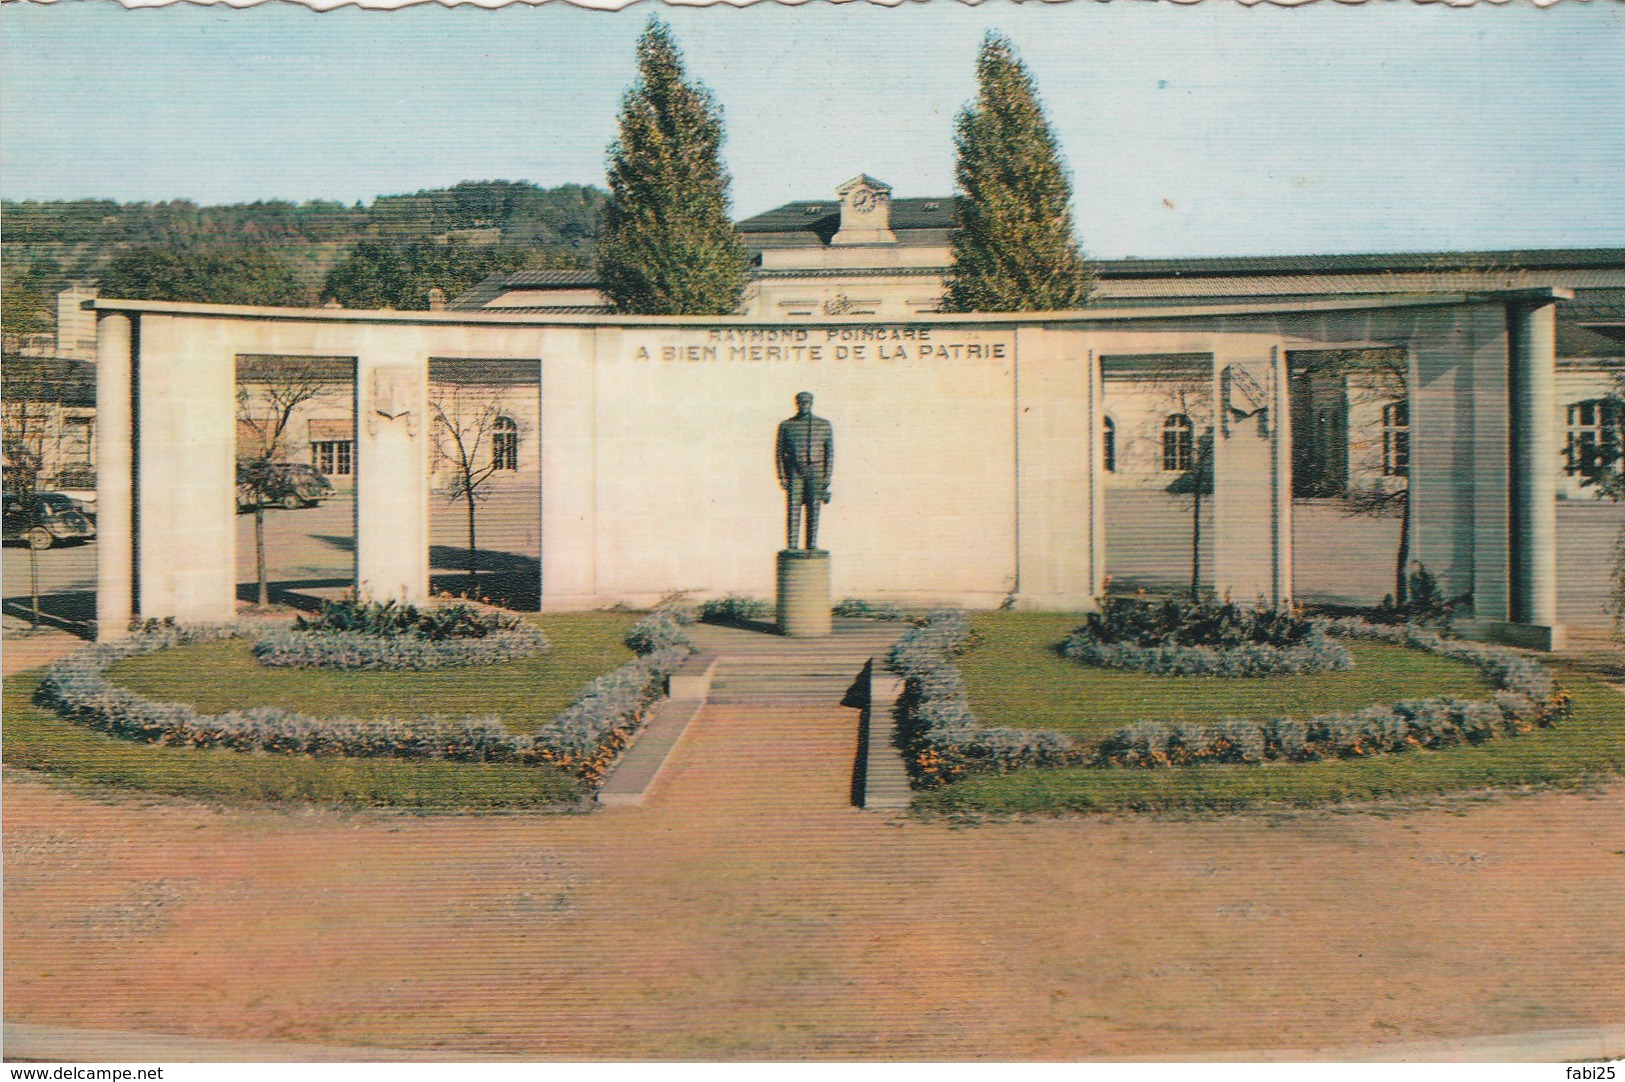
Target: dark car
{"x":45,"y":519}
{"x":280,"y":484}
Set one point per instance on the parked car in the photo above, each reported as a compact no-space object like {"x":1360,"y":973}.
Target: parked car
{"x":45,"y":519}
{"x":284,"y":484}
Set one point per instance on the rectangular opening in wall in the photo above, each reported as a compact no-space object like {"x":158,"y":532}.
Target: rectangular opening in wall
{"x":485,"y":479}
{"x":1350,"y":463}
{"x":296,"y":466}
{"x":1157,"y":442}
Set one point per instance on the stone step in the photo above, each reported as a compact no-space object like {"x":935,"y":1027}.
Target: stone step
{"x":727,"y":679}
{"x":833,"y":698}
{"x":832,"y":692}
{"x":764,"y":676}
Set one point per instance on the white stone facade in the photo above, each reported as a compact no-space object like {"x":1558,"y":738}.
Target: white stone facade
{"x":969,"y":465}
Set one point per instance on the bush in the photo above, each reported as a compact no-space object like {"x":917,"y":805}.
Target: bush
{"x":1424,"y":603}
{"x":392,"y":619}
{"x":369,"y":635}
{"x":1177,"y":622}
{"x":583,"y":740}
{"x":661,"y":630}
{"x":867,"y":610}
{"x":735,"y":608}
{"x":1526,"y":698}
{"x":1203,"y":638}
{"x":940,"y":737}
{"x":360,"y":651}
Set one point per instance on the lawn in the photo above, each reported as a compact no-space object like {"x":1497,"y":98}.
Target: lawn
{"x":1015,"y":678}
{"x":216,"y":677}
{"x":36,"y":739}
{"x":223,"y":676}
{"x":1050,"y":691}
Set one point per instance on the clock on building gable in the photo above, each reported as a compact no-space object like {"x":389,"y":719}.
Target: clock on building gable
{"x":865,"y":212}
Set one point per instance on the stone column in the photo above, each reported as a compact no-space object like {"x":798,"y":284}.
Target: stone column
{"x":1534,"y":460}
{"x":1281,"y":479}
{"x":115,"y":538}
{"x":391,"y":492}
{"x":1252,"y":505}
{"x":804,"y":601}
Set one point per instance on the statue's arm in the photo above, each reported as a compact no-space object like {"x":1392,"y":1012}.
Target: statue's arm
{"x":780,"y":449}
{"x":829,"y":461}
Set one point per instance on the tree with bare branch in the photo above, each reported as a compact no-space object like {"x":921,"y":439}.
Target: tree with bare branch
{"x":43,"y":398}
{"x":270,"y":392}
{"x":475,"y":438}
{"x":28,"y":424}
{"x":1184,"y":391}
{"x":1381,"y":378}
{"x":1597,"y":459}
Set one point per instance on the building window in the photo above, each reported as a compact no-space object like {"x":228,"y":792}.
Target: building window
{"x":1396,"y":439}
{"x":333,"y":457}
{"x":505,"y":444}
{"x":1177,"y":443}
{"x":1593,"y":435}
{"x":78,"y":442}
{"x":1108,"y":442}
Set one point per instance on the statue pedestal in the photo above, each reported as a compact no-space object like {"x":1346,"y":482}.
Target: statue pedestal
{"x":804,"y":593}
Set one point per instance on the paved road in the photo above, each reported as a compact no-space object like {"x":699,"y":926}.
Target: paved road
{"x":67,"y":580}
{"x":315,"y":546}
{"x":1338,"y":558}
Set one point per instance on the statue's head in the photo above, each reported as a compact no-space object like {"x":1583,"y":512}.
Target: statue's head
{"x":804,"y":401}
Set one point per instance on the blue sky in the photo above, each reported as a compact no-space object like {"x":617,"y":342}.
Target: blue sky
{"x":1190,"y":130}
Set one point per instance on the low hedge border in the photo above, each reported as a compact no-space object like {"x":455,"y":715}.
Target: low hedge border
{"x":1316,"y":654}
{"x":942,"y":741}
{"x":1203,"y":638}
{"x":583,"y":740}
{"x":358,"y":651}
{"x":939,"y":736}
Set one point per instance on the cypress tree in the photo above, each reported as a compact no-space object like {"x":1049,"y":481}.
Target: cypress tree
{"x":666,"y":243}
{"x":1014,"y":250}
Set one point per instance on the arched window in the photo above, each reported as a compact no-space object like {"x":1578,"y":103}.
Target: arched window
{"x":1177,"y":443}
{"x":1396,"y":439}
{"x":1593,"y":436}
{"x":1108,"y":444}
{"x":505,"y":444}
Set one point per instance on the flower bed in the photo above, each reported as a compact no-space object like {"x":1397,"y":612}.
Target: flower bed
{"x":361,"y":636}
{"x":940,"y":737}
{"x":1178,"y":638}
{"x":583,"y":740}
{"x":736,"y":608}
{"x":857,"y":607}
{"x":942,"y":740}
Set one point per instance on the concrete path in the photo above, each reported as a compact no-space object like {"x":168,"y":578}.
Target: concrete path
{"x":774,"y":736}
{"x":63,"y":1044}
{"x":21,"y":651}
{"x":748,"y":911}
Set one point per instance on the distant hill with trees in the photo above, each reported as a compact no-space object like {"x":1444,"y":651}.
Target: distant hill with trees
{"x":508,"y":224}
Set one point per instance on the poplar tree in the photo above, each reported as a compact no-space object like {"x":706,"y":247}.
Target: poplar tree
{"x":666,"y":243}
{"x":1014,"y":250}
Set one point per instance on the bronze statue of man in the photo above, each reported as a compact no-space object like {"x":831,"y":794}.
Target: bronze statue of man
{"x":805,"y":457}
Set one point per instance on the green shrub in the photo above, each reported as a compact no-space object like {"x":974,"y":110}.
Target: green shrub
{"x":1175,"y":622}
{"x":1424,"y":603}
{"x":735,"y":608}
{"x":391,"y":619}
{"x":1203,"y":638}
{"x":857,"y":608}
